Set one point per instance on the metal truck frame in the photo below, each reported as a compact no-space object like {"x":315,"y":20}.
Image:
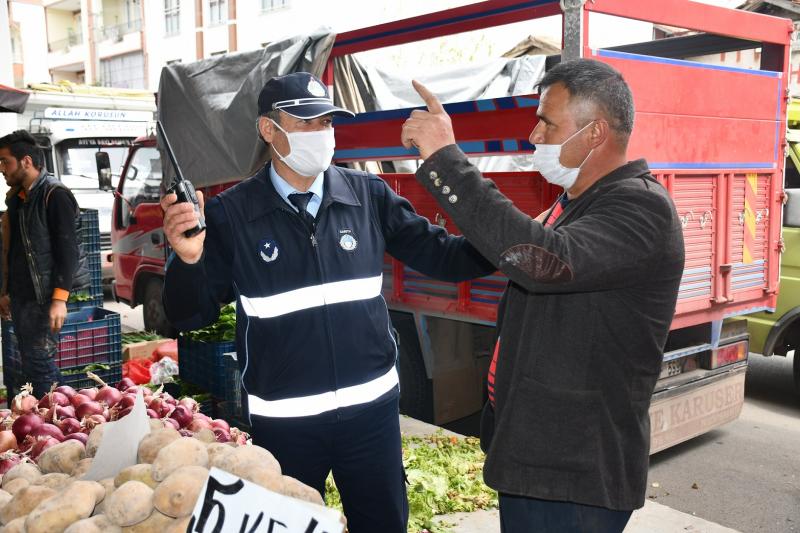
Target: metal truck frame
{"x":720,"y":158}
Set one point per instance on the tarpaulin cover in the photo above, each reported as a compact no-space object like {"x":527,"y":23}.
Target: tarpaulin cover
{"x":209,"y":108}
{"x":12,"y":100}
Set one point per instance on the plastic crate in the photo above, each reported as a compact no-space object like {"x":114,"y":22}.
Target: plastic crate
{"x":90,"y":230}
{"x":75,"y":377}
{"x":89,"y":335}
{"x":205,"y":364}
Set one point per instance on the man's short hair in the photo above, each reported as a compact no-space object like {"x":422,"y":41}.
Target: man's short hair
{"x":21,"y":143}
{"x":588,"y":80}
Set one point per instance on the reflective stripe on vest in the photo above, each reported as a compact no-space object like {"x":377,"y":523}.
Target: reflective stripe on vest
{"x":315,"y":296}
{"x":327,"y":401}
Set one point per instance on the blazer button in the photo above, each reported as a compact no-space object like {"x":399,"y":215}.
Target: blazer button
{"x":445,"y":190}
{"x":433,"y":175}
{"x":452,"y":198}
{"x":437,"y":182}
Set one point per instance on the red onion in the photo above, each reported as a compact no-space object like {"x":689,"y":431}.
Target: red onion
{"x":152,"y":414}
{"x":88,"y":409}
{"x":239,"y":437}
{"x":125,"y":384}
{"x":172,"y":422}
{"x":193,"y":406}
{"x":7,"y":440}
{"x":109,"y":395}
{"x":5,"y":413}
{"x":218,"y":423}
{"x":80,"y":437}
{"x":9,"y":460}
{"x":89,"y":393}
{"x":182,"y":414}
{"x":167,"y":397}
{"x":67,"y":391}
{"x":41,"y":445}
{"x":47,"y":430}
{"x":185,"y":433}
{"x":203,"y":417}
{"x":197,"y":424}
{"x":127,"y":400}
{"x":66,"y":411}
{"x":69,"y":426}
{"x":23,"y":403}
{"x":93,"y":420}
{"x":124,"y":412}
{"x":53,"y":398}
{"x":79,"y":399}
{"x":24,"y":424}
{"x":222,"y":435}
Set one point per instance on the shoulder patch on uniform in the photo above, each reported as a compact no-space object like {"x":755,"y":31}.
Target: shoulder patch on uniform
{"x":268,"y":250}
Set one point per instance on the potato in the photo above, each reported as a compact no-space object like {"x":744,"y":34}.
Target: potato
{"x":5,"y":497}
{"x":141,"y":472}
{"x":205,"y":435}
{"x":154,"y":442}
{"x":177,"y":494}
{"x":24,"y":501}
{"x":55,"y":480}
{"x":13,"y":486}
{"x":95,"y":524}
{"x":61,"y":511}
{"x":108,"y":485}
{"x":15,"y":526}
{"x":130,"y":504}
{"x":216,"y":451}
{"x":180,"y":525}
{"x":82,"y":467}
{"x":259,"y":474}
{"x":243,"y":456}
{"x":155,"y":523}
{"x":95,"y":436}
{"x":178,"y":453}
{"x":27,"y":471}
{"x":61,"y":458}
{"x":297,"y":489}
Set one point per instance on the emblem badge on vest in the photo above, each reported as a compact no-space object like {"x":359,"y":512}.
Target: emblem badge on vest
{"x":268,"y":250}
{"x":347,"y":240}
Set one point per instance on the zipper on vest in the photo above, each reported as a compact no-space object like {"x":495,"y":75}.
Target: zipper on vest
{"x":37,"y":282}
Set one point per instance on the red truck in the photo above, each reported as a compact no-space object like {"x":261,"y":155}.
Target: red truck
{"x":714,"y":136}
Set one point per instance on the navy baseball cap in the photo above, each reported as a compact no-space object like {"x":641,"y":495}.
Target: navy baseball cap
{"x":299,"y":94}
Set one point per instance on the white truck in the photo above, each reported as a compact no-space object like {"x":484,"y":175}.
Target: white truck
{"x":73,"y":126}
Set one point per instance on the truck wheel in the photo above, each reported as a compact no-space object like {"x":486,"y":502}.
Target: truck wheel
{"x":796,"y":366}
{"x":155,"y":318}
{"x":416,"y":390}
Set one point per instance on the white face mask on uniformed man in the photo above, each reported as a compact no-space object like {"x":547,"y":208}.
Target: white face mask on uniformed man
{"x":310,"y":152}
{"x":547,"y":161}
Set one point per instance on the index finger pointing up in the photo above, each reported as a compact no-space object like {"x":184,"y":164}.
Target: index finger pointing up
{"x":433,"y":103}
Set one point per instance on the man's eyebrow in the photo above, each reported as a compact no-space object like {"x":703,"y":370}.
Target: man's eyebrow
{"x":543,"y":118}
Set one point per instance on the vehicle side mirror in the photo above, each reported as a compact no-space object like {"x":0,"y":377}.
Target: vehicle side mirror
{"x":791,"y":211}
{"x":103,"y":170}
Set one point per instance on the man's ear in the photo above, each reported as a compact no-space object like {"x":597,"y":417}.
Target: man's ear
{"x":599,"y":132}
{"x":266,"y":128}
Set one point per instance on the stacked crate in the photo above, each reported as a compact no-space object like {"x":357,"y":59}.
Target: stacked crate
{"x":91,"y":337}
{"x":213,"y":367}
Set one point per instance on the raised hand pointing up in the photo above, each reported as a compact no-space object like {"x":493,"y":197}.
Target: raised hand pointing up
{"x":429,"y":130}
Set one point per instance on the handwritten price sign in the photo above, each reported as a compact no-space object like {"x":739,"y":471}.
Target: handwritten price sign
{"x":230,"y":504}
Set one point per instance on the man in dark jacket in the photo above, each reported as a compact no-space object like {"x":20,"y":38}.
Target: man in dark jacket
{"x":583,"y":322}
{"x":300,"y":247}
{"x":42,"y":257}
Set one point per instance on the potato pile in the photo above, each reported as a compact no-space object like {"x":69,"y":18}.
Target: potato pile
{"x":157,"y":495}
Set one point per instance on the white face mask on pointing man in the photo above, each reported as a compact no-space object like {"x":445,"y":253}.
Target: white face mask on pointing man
{"x":547,"y":161}
{"x":310,"y":152}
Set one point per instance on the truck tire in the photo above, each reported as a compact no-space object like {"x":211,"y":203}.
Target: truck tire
{"x":155,"y":317}
{"x":416,"y":390}
{"x":796,"y":367}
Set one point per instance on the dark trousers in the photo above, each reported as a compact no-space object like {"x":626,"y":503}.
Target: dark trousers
{"x":364,"y":453}
{"x":37,"y":346}
{"x":519,"y":514}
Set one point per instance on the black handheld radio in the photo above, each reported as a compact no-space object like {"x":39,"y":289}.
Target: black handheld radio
{"x":182,"y":187}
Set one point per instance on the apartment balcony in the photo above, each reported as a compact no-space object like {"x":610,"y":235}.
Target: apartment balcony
{"x":68,"y":51}
{"x":119,"y":39}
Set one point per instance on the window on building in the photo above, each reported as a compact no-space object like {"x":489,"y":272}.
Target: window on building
{"x":125,"y":71}
{"x":272,"y":5}
{"x":172,"y":18}
{"x":217,"y":11}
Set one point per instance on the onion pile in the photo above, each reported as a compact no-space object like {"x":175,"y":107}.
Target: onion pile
{"x":32,"y":425}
